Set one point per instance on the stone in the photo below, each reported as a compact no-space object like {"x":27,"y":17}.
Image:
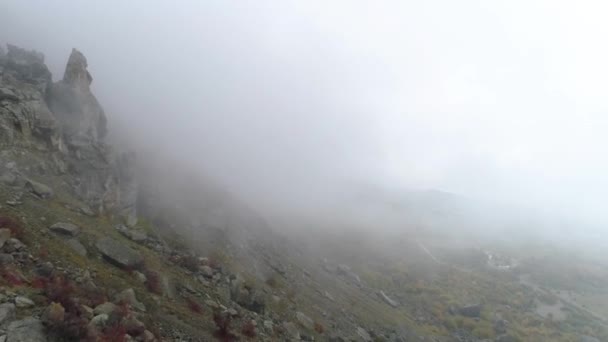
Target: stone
{"x":65,"y":228}
{"x":206,"y":271}
{"x":148,"y":336}
{"x":7,"y":313}
{"x":53,"y":314}
{"x":23,"y":302}
{"x":99,"y":320}
{"x":5,"y":234}
{"x":77,"y":247}
{"x":305,"y":321}
{"x":45,"y":269}
{"x":291,"y":330}
{"x":348,"y":273}
{"x":39,"y":189}
{"x":363,"y":334}
{"x":128,"y":296}
{"x":134,"y":235}
{"x":140,"y":277}
{"x":472,"y":311}
{"x":131,"y":324}
{"x":28,"y":329}
{"x":6,"y":258}
{"x":119,"y":254}
{"x":388,"y":300}
{"x":268,"y":326}
{"x":104,"y":308}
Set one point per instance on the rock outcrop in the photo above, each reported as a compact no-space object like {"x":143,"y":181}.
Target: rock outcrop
{"x":65,"y":121}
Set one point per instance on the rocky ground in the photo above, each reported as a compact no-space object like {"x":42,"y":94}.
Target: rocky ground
{"x":91,"y":252}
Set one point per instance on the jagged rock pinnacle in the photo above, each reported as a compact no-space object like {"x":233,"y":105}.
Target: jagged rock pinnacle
{"x":76,"y":73}
{"x":74,"y":105}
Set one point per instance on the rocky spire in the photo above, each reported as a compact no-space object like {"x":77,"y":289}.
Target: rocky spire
{"x":75,"y":106}
{"x":76,"y":73}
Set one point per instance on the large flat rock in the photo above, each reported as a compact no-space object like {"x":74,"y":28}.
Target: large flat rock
{"x":118,"y":253}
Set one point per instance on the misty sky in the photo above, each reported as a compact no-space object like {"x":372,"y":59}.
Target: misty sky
{"x":503,"y":100}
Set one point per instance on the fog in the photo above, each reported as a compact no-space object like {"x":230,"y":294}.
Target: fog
{"x":289,"y":103}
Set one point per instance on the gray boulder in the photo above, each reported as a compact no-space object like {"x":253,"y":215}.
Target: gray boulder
{"x":363,"y":335}
{"x":65,"y":228}
{"x":305,"y":321}
{"x":128,"y":296}
{"x":472,"y":311}
{"x":119,"y":254}
{"x":39,"y":189}
{"x":388,"y":300}
{"x":7,"y":313}
{"x":77,"y":247}
{"x":28,"y":329}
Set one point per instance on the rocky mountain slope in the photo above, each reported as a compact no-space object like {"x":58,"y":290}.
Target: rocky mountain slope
{"x":94,"y":248}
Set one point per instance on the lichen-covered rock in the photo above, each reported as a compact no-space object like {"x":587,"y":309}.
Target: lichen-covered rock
{"x":119,"y":254}
{"x":41,"y":190}
{"x":28,"y":329}
{"x":128,"y":296}
{"x":65,"y":228}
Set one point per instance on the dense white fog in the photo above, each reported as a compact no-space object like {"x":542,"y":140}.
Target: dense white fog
{"x":289,"y":103}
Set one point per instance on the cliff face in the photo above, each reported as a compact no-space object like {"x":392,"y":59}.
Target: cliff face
{"x":66,"y":125}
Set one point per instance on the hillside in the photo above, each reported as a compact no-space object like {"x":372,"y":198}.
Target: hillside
{"x":98,"y":244}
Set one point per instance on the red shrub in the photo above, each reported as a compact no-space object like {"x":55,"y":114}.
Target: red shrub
{"x":113,"y":333}
{"x":61,"y":290}
{"x":39,"y":283}
{"x":319,"y":328}
{"x":153,"y":283}
{"x":248,"y":329}
{"x":43,"y":253}
{"x":12,"y":277}
{"x":222,"y":322}
{"x":194,"y":306}
{"x":190,"y":263}
{"x":13,"y":225}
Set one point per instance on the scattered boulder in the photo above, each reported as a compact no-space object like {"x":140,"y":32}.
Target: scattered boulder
{"x":119,"y":254}
{"x":75,"y":245}
{"x":291,"y":330}
{"x":53,"y":314}
{"x":23,"y":302}
{"x":305,"y":321}
{"x":128,"y":296}
{"x":104,"y":308}
{"x":472,"y":311}
{"x":45,"y":269}
{"x":348,"y":273}
{"x":388,"y":300}
{"x":135,"y":235}
{"x":65,"y":228}
{"x":28,"y":329}
{"x":363,"y":335}
{"x":246,"y":296}
{"x":6,"y":258}
{"x":39,"y":189}
{"x":7,"y":313}
{"x":206,"y":271}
